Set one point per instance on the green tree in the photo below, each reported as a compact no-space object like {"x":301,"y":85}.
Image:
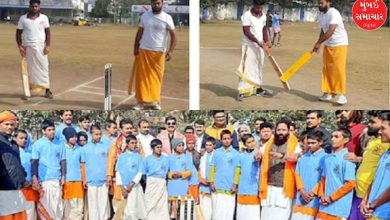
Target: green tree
{"x":100,"y":9}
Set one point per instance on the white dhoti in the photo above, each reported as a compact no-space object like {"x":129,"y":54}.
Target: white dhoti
{"x":206,"y":204}
{"x":248,"y":212}
{"x":135,"y":207}
{"x":31,"y":210}
{"x":250,"y":71}
{"x":38,"y":66}
{"x":277,"y":206}
{"x":223,"y":206}
{"x":73,"y":209}
{"x":11,"y":202}
{"x":156,"y":199}
{"x":98,"y":203}
{"x":301,"y":216}
{"x":52,"y":199}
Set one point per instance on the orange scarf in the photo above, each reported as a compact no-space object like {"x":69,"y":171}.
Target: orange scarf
{"x":289,"y":169}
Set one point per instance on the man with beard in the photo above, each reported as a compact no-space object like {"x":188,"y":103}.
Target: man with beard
{"x":33,"y":39}
{"x":374,"y":149}
{"x":144,"y":138}
{"x":313,"y":123}
{"x":166,"y":136}
{"x":376,"y":204}
{"x":117,"y":147}
{"x":277,"y":187}
{"x":201,"y":136}
{"x":218,"y":126}
{"x":351,"y":120}
{"x":150,"y":53}
{"x":335,"y":37}
{"x":12,"y":175}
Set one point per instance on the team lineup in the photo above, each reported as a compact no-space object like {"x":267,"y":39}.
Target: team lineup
{"x":77,"y":172}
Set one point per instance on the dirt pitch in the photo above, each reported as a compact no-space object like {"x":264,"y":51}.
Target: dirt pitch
{"x":367,"y":69}
{"x":77,"y":59}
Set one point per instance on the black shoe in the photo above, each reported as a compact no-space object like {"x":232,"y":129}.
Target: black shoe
{"x":49,"y":94}
{"x":263,"y":92}
{"x":239,"y":97}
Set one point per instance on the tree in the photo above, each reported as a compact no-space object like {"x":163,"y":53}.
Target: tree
{"x":100,"y":9}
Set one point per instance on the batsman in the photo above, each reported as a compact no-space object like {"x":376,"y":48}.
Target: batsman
{"x":335,"y":37}
{"x":254,"y":48}
{"x":33,"y":39}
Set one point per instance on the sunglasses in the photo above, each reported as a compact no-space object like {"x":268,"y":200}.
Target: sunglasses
{"x":171,"y":123}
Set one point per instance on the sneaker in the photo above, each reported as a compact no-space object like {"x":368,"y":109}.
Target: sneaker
{"x":263,"y":92}
{"x":156,"y":107}
{"x":325,"y":97}
{"x":49,"y":94}
{"x":26,"y":97}
{"x":239,"y":97}
{"x":138,"y":107}
{"x":341,"y":99}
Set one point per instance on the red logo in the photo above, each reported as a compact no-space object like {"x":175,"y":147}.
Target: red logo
{"x":369,"y":14}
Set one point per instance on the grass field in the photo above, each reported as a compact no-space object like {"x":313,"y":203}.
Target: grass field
{"x":367,"y":69}
{"x":77,"y":59}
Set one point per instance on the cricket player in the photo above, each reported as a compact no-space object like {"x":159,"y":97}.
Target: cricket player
{"x":156,"y":194}
{"x":129,"y":169}
{"x":73,"y":191}
{"x":150,"y":51}
{"x":277,"y":185}
{"x":248,"y":201}
{"x":29,"y":193}
{"x":334,"y":35}
{"x":307,"y":178}
{"x":95,"y":159}
{"x":376,"y":204}
{"x":276,"y":28}
{"x":33,"y":39}
{"x":254,"y":39}
{"x":49,"y":169}
{"x":180,"y":167}
{"x":224,"y":178}
{"x":204,"y":186}
{"x":12,"y":202}
{"x":338,"y":180}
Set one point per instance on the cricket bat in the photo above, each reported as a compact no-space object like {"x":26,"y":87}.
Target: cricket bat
{"x":277,"y":69}
{"x":296,"y":66}
{"x":26,"y":86}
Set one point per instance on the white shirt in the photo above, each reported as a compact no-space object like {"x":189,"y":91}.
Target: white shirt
{"x":33,"y":29}
{"x":145,"y":142}
{"x":339,"y":37}
{"x":156,"y":28}
{"x":198,"y":145}
{"x":256,"y":27}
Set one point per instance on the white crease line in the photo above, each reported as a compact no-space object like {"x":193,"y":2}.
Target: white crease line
{"x":221,"y":48}
{"x":94,"y":87}
{"x":124,"y":100}
{"x":69,"y":90}
{"x":173,"y":98}
{"x":96,"y":93}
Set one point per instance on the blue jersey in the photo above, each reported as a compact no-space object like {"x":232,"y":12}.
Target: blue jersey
{"x":208,"y":158}
{"x":182,"y":163}
{"x":225,"y":162}
{"x":95,"y":158}
{"x":337,"y":171}
{"x":128,"y":165}
{"x":25,"y":159}
{"x":249,"y":177}
{"x":74,"y":157}
{"x":156,"y":167}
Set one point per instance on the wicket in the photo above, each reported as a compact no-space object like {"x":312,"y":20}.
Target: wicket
{"x":107,"y":86}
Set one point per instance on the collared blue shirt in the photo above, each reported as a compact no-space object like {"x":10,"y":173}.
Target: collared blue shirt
{"x":25,"y":159}
{"x":380,"y":184}
{"x":249,"y":177}
{"x":225,"y":162}
{"x":156,"y":167}
{"x":209,"y":157}
{"x":59,"y":138}
{"x":95,"y":158}
{"x":337,"y":171}
{"x":49,"y":155}
{"x":129,"y":164}
{"x":182,"y":163}
{"x":74,"y":156}
{"x":309,"y":168}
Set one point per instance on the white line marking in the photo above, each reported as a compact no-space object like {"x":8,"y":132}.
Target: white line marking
{"x":96,"y":93}
{"x":124,"y":100}
{"x":69,"y":90}
{"x":100,"y":88}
